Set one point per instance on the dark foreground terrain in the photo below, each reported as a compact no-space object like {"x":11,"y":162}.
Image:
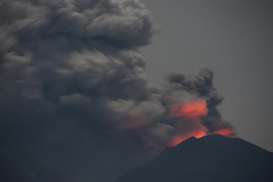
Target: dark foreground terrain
{"x":209,"y":159}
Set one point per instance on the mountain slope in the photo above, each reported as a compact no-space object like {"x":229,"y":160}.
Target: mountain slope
{"x":209,"y":159}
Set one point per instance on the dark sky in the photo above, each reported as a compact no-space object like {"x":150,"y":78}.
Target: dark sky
{"x":234,"y":39}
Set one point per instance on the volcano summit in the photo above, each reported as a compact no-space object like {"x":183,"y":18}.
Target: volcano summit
{"x":211,"y":158}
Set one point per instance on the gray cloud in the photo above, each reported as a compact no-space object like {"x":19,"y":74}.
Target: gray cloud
{"x":74,"y":95}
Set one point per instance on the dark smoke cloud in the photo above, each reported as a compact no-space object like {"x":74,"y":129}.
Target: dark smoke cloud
{"x":202,"y":86}
{"x":74,"y":101}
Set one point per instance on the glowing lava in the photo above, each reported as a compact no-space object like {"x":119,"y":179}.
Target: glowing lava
{"x":199,"y":134}
{"x":191,"y":110}
{"x":224,"y":132}
{"x":176,"y":140}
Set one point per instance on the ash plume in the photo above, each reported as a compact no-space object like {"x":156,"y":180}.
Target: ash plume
{"x":201,"y":86}
{"x":74,"y":99}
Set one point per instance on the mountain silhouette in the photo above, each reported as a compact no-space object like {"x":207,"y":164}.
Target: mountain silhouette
{"x":210,"y":159}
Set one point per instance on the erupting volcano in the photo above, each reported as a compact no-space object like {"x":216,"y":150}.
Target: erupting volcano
{"x":190,"y":111}
{"x":176,"y":140}
{"x":209,"y":159}
{"x":194,"y":111}
{"x":75,"y":99}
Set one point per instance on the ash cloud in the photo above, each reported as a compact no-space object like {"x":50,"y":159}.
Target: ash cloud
{"x":74,"y":99}
{"x":201,"y":86}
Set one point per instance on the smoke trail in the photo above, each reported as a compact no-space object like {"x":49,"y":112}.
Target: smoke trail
{"x":73,"y":92}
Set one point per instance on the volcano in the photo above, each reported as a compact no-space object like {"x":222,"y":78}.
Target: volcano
{"x":208,"y":159}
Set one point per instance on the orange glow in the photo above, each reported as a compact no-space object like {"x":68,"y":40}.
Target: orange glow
{"x":191,"y":110}
{"x":199,"y":134}
{"x":178,"y":139}
{"x":224,"y":132}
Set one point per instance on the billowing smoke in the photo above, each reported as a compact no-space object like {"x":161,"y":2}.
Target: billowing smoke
{"x":75,"y":104}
